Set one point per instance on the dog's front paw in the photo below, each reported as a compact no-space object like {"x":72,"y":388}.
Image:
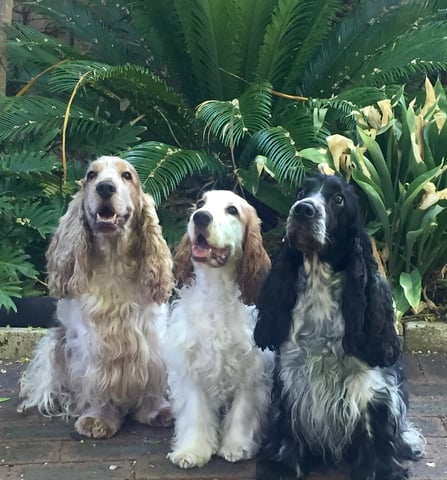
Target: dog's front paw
{"x":235,"y":453}
{"x":95,"y":427}
{"x":189,"y":458}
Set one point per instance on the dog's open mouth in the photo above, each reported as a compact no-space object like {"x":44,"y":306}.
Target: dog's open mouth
{"x":202,"y":251}
{"x":108,"y":219}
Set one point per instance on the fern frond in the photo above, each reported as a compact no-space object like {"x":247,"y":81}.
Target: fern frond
{"x":255,"y":16}
{"x":294,"y":25}
{"x":162,"y":167}
{"x":162,"y":31}
{"x":318,"y":25}
{"x":105,"y":28}
{"x":29,"y":47}
{"x":231,"y":121}
{"x":205,"y":26}
{"x":283,"y":158}
{"x":357,"y":39}
{"x":26,"y":117}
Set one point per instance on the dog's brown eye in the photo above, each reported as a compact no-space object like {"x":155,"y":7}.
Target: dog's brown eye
{"x":127,"y":175}
{"x":91,"y":175}
{"x":231,"y":210}
{"x":200,"y":203}
{"x":338,"y":199}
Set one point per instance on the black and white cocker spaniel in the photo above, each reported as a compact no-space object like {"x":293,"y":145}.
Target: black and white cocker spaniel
{"x":328,"y":313}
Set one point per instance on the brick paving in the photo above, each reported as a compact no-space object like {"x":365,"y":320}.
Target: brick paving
{"x":35,"y":448}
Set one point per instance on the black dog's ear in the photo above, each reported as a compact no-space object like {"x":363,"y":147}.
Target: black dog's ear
{"x":368,"y":311}
{"x":277,"y":298}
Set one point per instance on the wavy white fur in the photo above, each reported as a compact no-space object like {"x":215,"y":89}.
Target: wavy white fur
{"x":110,"y":263}
{"x":220,"y":382}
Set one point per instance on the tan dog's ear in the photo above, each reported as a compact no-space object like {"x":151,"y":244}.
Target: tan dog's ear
{"x":68,"y":254}
{"x":156,"y":259}
{"x":183,"y":266}
{"x":255,"y":262}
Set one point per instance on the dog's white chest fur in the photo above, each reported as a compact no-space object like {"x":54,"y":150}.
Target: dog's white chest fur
{"x":328,"y":389}
{"x":213,"y":343}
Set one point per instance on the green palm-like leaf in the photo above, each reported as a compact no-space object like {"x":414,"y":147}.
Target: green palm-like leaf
{"x":287,"y":27}
{"x":162,"y":167}
{"x":24,"y":117}
{"x":27,"y":46}
{"x":357,"y":50}
{"x":231,"y":121}
{"x":255,"y":16}
{"x":205,"y":26}
{"x":283,"y":159}
{"x":103,"y":26}
{"x":316,"y":27}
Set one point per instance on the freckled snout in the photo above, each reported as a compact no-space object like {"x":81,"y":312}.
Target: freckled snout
{"x":105,"y":189}
{"x":202,"y":218}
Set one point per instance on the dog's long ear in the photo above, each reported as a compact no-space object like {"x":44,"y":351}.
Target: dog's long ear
{"x":68,"y":253}
{"x":368,"y":311}
{"x":277,"y":298}
{"x":255,"y":262}
{"x":156,"y":260}
{"x":183,"y":266}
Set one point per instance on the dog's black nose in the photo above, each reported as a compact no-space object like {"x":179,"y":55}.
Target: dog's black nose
{"x":105,"y":189}
{"x":202,"y":218}
{"x":305,"y":209}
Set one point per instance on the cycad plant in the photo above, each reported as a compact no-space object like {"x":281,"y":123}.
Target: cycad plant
{"x":136,"y":72}
{"x":32,"y":200}
{"x":271,"y":77}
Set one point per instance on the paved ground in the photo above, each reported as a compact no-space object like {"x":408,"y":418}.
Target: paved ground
{"x":34,"y":448}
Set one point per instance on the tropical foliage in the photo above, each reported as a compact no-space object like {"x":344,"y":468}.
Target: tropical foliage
{"x":398,"y":161}
{"x":31,"y":202}
{"x":269,"y":78}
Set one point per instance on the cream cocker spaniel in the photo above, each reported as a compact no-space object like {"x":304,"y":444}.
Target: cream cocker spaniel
{"x":220,"y":382}
{"x":112,"y":269}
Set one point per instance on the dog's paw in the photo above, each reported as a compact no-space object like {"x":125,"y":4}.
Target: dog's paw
{"x":189,"y":458}
{"x":94,"y":427}
{"x":162,"y":418}
{"x":235,"y":453}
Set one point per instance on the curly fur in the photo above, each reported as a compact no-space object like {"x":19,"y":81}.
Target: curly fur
{"x":220,"y":382}
{"x":329,"y":315}
{"x":111,"y":266}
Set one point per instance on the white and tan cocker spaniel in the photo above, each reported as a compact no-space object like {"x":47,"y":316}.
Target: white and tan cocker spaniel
{"x":112,"y":269}
{"x":220,"y":382}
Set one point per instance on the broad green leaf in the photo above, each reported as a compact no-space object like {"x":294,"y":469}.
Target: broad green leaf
{"x":316,"y":155}
{"x":411,"y":284}
{"x":380,"y":165}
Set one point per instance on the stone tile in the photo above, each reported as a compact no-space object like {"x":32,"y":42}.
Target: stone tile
{"x":72,"y":471}
{"x":37,"y":448}
{"x":430,"y":426}
{"x":15,"y":453}
{"x":434,"y":368}
{"x":158,"y":467}
{"x":434,"y":465}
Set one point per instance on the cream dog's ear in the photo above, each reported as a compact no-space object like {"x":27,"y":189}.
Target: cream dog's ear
{"x":183,"y":266}
{"x":255,"y":262}
{"x":156,"y":275}
{"x":68,"y":254}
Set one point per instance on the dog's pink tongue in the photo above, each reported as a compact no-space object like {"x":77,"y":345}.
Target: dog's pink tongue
{"x":200,"y":251}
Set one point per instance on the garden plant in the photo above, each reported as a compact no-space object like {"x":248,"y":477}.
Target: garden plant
{"x":193,"y":92}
